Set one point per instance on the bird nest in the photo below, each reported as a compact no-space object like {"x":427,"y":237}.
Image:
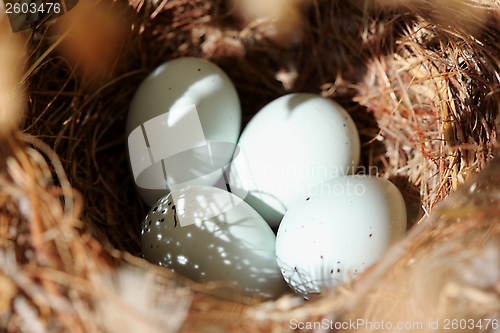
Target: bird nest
{"x":419,"y":78}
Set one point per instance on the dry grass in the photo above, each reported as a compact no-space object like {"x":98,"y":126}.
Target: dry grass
{"x":421,"y":88}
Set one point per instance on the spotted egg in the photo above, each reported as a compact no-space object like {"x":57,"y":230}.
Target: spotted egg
{"x":343,"y":227}
{"x":235,"y":245}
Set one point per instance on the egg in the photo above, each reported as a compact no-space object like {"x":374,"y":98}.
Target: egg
{"x":294,"y":142}
{"x":178,"y":115}
{"x":331,"y":237}
{"x":226,"y":241}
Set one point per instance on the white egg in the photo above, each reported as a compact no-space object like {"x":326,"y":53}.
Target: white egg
{"x":294,"y":142}
{"x":162,"y":125}
{"x":236,"y":245}
{"x":328,"y":238}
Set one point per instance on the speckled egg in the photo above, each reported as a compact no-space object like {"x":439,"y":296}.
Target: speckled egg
{"x":338,"y":233}
{"x":185,"y":103}
{"x":294,"y":142}
{"x":236,"y":245}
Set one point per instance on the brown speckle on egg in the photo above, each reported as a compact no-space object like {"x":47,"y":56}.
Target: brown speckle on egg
{"x":175,"y":220}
